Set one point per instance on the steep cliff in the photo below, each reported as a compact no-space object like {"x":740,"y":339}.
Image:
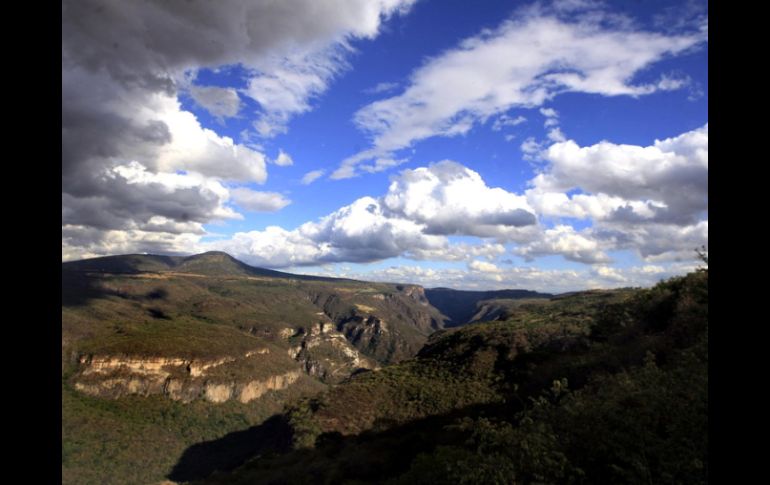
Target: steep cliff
{"x":181,"y":379}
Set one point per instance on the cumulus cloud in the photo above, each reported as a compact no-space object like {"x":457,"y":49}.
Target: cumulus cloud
{"x":312,"y":176}
{"x":254,"y":201}
{"x":526,"y":61}
{"x":133,"y":196}
{"x":123,"y":64}
{"x":80,"y":242}
{"x":359,"y":232}
{"x":657,"y":242}
{"x":459,"y":252}
{"x":651,"y":199}
{"x":666,"y":182}
{"x":531,"y":278}
{"x":564,"y":240}
{"x":483,"y":266}
{"x":448,"y":198}
{"x":413,"y":219}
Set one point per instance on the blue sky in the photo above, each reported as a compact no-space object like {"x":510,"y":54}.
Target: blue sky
{"x":496,"y":144}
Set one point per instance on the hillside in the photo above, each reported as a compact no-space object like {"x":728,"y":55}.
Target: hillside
{"x":593,"y":387}
{"x":205,"y":345}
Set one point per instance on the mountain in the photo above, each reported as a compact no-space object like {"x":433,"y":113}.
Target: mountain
{"x":210,"y":371}
{"x":212,"y":263}
{"x":210,"y":332}
{"x":461,"y":307}
{"x":592,"y":387}
{"x":383,"y":321}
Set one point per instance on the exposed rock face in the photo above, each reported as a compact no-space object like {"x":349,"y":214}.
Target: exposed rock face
{"x":179,"y":379}
{"x":416,"y":293}
{"x":255,"y":389}
{"x":386,"y":326}
{"x":154,"y":366}
{"x":325,"y":353}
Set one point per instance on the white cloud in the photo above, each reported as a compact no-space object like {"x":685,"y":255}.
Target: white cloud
{"x":421,"y":207}
{"x":79,"y":242}
{"x":556,"y":135}
{"x":483,"y":266}
{"x":459,"y":252}
{"x":610,"y":273}
{"x":123,"y":64}
{"x":193,"y":147}
{"x":359,"y":232}
{"x":552,"y":281}
{"x":283,"y":159}
{"x":658,"y":242}
{"x":531,"y":149}
{"x":285,"y":88}
{"x":523,"y":63}
{"x":564,"y":240}
{"x":549,"y":112}
{"x":671,"y":83}
{"x":220,"y":102}
{"x":312,"y":176}
{"x":551,"y":118}
{"x":382,"y":164}
{"x":505,"y":120}
{"x":449,"y":198}
{"x":138,"y":196}
{"x":664,"y":182}
{"x":254,"y":201}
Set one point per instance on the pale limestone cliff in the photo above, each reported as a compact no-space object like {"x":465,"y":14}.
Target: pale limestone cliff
{"x":177,"y":378}
{"x":325,"y":353}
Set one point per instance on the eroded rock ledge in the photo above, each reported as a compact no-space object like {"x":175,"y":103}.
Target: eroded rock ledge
{"x":177,"y":378}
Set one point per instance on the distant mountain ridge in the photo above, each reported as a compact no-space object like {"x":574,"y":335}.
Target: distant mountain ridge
{"x":459,"y":306}
{"x":462,"y":306}
{"x":387,"y":322}
{"x":211,"y":263}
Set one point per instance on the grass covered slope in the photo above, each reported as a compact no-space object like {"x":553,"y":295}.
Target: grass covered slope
{"x":162,"y":353}
{"x":205,"y":304}
{"x":594,"y":387}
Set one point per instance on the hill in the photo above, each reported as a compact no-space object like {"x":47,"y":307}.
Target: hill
{"x":592,"y":387}
{"x":191,"y":348}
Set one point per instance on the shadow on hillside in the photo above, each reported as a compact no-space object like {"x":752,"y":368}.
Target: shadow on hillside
{"x":386,"y":450}
{"x":202,"y":459}
{"x":78,"y":288}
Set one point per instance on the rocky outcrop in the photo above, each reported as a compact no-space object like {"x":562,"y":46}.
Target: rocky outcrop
{"x":177,"y":378}
{"x":325,"y":353}
{"x":387,"y":324}
{"x":246,"y":392}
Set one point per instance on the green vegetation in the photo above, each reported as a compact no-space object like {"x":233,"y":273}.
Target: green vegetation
{"x":140,"y":439}
{"x":590,"y":387}
{"x":212,"y":305}
{"x":594,"y":387}
{"x":204,"y":307}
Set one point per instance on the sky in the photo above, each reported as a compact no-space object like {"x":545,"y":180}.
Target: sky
{"x":553,"y":146}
